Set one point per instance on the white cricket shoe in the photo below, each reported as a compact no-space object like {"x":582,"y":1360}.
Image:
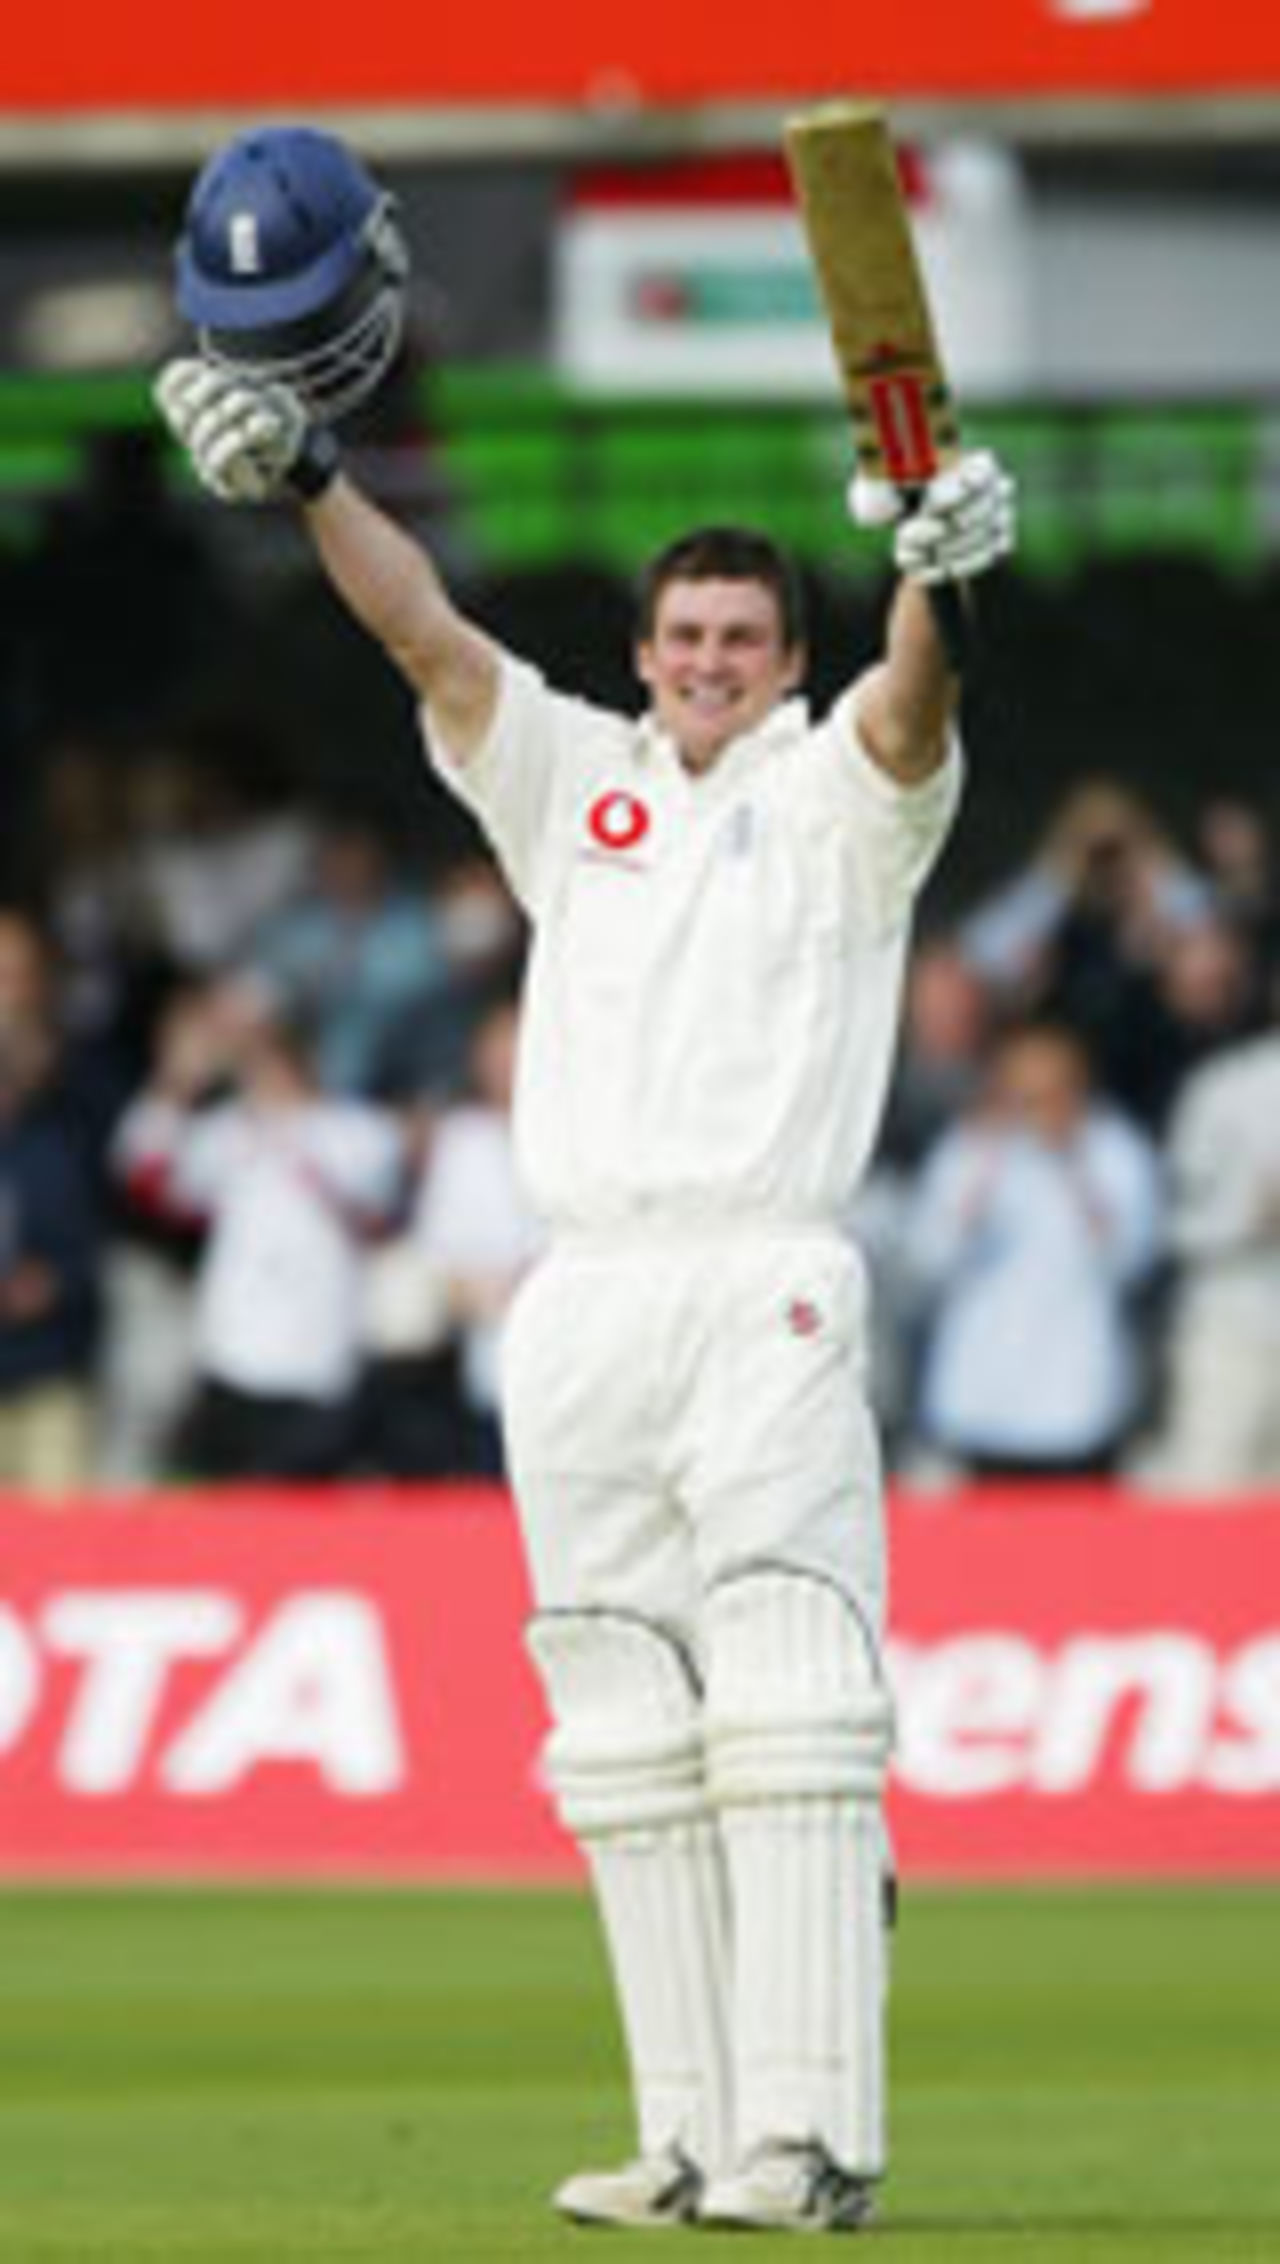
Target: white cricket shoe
{"x":654,"y":2193}
{"x":789,"y":2186}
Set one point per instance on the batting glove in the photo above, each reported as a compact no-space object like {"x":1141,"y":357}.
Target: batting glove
{"x":963,"y":525}
{"x":248,"y":440}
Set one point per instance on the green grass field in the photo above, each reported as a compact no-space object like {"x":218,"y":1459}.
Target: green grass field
{"x":271,"y":2076}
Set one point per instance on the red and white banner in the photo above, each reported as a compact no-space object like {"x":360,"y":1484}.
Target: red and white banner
{"x":694,"y":277}
{"x":132,"y":58}
{"x":333,"y":1683}
{"x":322,"y":1682}
{"x":1087,"y":1685}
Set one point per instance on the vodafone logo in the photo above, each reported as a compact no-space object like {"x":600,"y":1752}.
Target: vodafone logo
{"x":618,"y":821}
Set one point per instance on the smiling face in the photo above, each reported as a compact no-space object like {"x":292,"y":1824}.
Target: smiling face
{"x":715,"y":662}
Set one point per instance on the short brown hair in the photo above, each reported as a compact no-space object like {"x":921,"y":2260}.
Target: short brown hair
{"x":724,"y":554}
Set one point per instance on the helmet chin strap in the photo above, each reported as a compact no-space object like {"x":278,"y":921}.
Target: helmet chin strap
{"x":386,"y":240}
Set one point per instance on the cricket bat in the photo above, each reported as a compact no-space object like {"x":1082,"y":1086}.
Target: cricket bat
{"x":905,"y":428}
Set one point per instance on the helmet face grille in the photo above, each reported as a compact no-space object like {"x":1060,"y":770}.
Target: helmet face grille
{"x":333,"y":372}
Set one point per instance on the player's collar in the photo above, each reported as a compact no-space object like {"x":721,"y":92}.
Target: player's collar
{"x":784,"y":724}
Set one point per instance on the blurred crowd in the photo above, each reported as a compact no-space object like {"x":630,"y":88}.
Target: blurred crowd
{"x":257,"y":1210}
{"x":258,"y":1215}
{"x":1076,"y":1216}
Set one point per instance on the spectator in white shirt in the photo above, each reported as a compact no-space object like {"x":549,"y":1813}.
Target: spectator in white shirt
{"x":1220,"y":1423}
{"x":1035,"y":1221}
{"x":292,"y":1184}
{"x":440,"y":1292}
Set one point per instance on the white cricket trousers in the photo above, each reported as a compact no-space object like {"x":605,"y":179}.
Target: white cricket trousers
{"x":678,"y":1405}
{"x":697,"y":1477}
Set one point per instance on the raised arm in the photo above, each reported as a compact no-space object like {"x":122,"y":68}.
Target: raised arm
{"x":391,"y":586}
{"x":251,"y":442}
{"x":962,"y":526}
{"x":907,"y":702}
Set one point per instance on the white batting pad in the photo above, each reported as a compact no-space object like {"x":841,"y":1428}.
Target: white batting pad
{"x":625,"y":1760}
{"x":799,"y":1730}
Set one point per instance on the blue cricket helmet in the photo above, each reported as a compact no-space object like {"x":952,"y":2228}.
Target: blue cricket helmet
{"x":293,"y":266}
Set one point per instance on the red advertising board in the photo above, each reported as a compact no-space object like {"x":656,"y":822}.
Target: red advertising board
{"x":131,"y":58}
{"x":1088,"y":1685}
{"x":334,"y":1684}
{"x":323,"y":1683}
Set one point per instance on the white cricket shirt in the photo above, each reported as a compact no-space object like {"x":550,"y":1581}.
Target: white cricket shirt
{"x":713,"y":988}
